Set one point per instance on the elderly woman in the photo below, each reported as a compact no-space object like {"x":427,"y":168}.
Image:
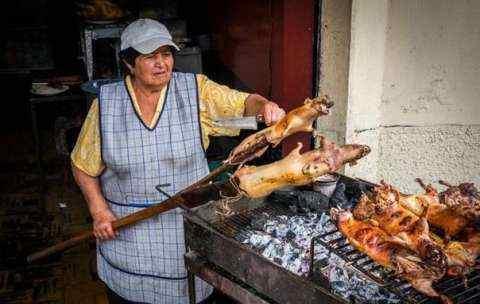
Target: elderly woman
{"x":150,"y":129}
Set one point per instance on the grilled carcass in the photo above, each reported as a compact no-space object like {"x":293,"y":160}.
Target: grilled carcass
{"x":463,"y":199}
{"x":404,"y":218}
{"x":428,"y":205}
{"x":403,"y":226}
{"x":461,"y":254}
{"x":298,"y":120}
{"x":383,"y":207}
{"x":378,"y":245}
{"x":445,"y":211}
{"x":438,"y":214}
{"x":296,"y":169}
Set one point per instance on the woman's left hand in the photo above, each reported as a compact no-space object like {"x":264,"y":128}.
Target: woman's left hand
{"x":270,"y":112}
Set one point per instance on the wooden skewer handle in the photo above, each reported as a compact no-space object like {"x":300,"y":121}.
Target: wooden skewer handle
{"x":175,"y":201}
{"x":133,"y":218}
{"x":72,"y":242}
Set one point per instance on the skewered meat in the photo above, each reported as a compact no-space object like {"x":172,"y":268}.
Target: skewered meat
{"x":296,"y":169}
{"x":376,"y":243}
{"x":463,"y":199}
{"x":298,"y":120}
{"x":404,"y":227}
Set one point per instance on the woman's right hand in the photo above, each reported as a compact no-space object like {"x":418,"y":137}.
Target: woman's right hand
{"x":102,"y":224}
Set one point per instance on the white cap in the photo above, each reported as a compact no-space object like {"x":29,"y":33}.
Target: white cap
{"x":145,"y":36}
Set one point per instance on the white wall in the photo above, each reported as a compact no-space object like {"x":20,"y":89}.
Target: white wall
{"x":414,"y":90}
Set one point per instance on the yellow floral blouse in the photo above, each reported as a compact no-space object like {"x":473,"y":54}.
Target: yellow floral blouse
{"x":215,"y":101}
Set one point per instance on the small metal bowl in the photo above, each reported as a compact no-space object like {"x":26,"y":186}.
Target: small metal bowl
{"x":326,"y":184}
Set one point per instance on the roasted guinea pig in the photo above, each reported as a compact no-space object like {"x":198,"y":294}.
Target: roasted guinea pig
{"x":461,"y":254}
{"x":463,"y":199}
{"x":428,"y":205}
{"x":383,"y":206}
{"x":403,"y":226}
{"x":298,"y":120}
{"x":296,"y":169}
{"x":377,"y":244}
{"x":437,"y":212}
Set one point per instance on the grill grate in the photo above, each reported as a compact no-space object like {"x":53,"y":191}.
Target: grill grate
{"x":454,"y":288}
{"x":238,"y":227}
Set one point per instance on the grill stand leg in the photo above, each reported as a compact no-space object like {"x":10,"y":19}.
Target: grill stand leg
{"x":196,"y":266}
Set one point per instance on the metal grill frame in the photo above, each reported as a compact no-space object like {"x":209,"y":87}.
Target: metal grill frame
{"x":247,"y":265}
{"x":203,"y":227}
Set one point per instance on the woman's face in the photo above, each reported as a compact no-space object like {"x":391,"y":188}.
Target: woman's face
{"x":155,"y":69}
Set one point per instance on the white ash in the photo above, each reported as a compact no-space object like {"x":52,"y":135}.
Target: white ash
{"x":348,"y":283}
{"x":285,"y":240}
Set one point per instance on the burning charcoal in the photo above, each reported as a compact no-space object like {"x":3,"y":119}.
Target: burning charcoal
{"x":270,"y":227}
{"x":301,"y":229}
{"x":302,"y":241}
{"x":273,"y":249}
{"x":290,"y":235}
{"x":285,"y":240}
{"x":294,"y":265}
{"x":354,"y":193}
{"x":324,"y":224}
{"x":284,"y":197}
{"x":314,"y":201}
{"x":283,"y":230}
{"x":300,"y":201}
{"x":339,"y":198}
{"x":345,"y":281}
{"x":305,"y":266}
{"x":258,"y":240}
{"x":293,"y":208}
{"x":321,"y":253}
{"x":339,"y":281}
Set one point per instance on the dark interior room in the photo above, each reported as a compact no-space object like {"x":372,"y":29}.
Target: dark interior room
{"x":54,"y":56}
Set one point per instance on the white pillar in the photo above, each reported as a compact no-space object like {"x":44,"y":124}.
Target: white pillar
{"x":367,"y":65}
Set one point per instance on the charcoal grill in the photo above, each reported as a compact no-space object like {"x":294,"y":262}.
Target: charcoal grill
{"x":216,"y":254}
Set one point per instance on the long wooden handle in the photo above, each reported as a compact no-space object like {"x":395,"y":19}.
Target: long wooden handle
{"x":130,"y":219}
{"x":72,"y":242}
{"x":169,"y":204}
